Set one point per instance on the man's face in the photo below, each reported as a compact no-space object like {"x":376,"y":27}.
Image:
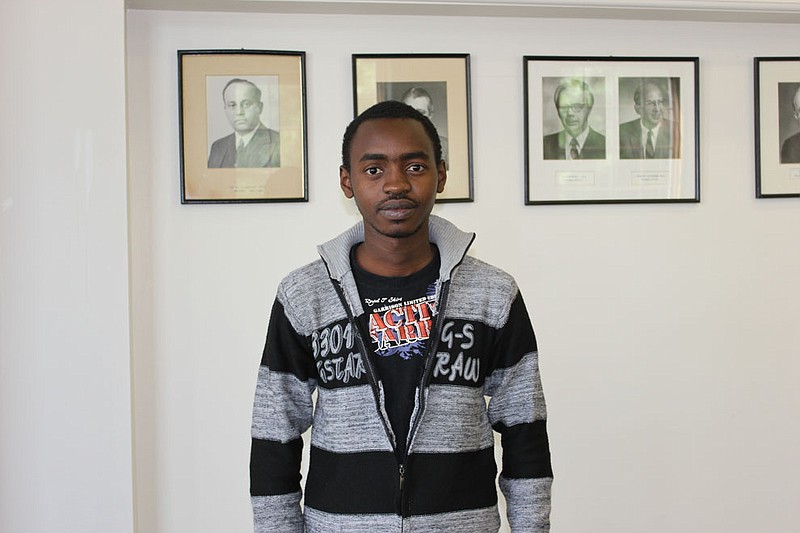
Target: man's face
{"x":242,"y":107}
{"x":421,"y":104}
{"x":573,"y":110}
{"x":651,"y":107}
{"x":393,"y":176}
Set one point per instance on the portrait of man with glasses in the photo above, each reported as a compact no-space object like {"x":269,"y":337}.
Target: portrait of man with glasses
{"x":574,"y":100}
{"x":655,"y":133}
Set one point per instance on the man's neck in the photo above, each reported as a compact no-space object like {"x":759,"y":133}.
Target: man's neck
{"x":580,"y":135}
{"x":248,"y":134}
{"x":395,"y":257}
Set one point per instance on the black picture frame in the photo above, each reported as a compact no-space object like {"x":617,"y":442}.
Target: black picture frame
{"x":270,"y":163}
{"x":611,"y":162}
{"x":442,"y":81}
{"x":777,"y":126}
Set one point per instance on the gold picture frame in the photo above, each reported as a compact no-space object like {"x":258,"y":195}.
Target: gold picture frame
{"x":247,"y":151}
{"x":440,"y":80}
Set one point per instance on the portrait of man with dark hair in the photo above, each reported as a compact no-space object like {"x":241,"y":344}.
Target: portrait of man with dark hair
{"x":252,"y":144}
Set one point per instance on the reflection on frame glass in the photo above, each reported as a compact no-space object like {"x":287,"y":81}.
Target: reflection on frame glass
{"x":611,"y":130}
{"x":242,"y":126}
{"x":438,"y":86}
{"x":777,"y":126}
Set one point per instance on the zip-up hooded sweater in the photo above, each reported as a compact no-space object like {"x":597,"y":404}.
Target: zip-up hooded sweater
{"x":482,"y":345}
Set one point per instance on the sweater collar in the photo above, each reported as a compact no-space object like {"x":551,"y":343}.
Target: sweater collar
{"x":452,"y":242}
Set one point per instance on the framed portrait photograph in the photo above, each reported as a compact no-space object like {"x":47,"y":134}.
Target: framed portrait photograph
{"x":242,"y":126}
{"x":611,"y":129}
{"x":777,"y":125}
{"x":437,"y":85}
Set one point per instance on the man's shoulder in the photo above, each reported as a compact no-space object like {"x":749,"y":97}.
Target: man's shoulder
{"x":483,"y":292}
{"x":595,"y":135}
{"x":552,"y":137}
{"x":793,"y":141}
{"x":304,"y":276}
{"x":222,"y":141}
{"x":790,"y":149}
{"x":631,"y":125}
{"x":552,"y":145}
{"x":264,"y":132}
{"x":475,"y":270}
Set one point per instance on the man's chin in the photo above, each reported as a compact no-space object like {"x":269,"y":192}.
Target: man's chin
{"x":399,"y":232}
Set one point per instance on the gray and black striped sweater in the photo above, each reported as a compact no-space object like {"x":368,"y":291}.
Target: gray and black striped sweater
{"x":486,"y":348}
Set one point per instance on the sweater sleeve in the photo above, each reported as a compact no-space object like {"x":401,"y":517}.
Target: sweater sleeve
{"x":282,"y":411}
{"x":517,"y":411}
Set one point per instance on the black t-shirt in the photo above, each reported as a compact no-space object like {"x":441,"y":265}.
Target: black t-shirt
{"x":398,"y":316}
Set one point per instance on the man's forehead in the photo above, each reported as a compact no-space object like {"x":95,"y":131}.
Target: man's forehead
{"x":398,"y":132}
{"x":651,"y":91}
{"x":572,"y":92}
{"x":239,"y":90}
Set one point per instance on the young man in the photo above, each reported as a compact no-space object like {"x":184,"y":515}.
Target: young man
{"x":402,"y":335}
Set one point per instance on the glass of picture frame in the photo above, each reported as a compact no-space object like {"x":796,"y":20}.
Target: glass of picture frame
{"x":611,"y":129}
{"x":242,"y":126}
{"x":777,"y":126}
{"x":438,"y":85}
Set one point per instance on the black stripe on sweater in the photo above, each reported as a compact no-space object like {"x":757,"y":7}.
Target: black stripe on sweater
{"x":275,"y":467}
{"x":352,"y":483}
{"x":364,"y":483}
{"x":285,"y":350}
{"x":516,"y":337}
{"x":526,"y":450}
{"x":445,"y":482}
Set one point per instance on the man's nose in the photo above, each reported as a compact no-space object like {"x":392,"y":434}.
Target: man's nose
{"x":395,"y":180}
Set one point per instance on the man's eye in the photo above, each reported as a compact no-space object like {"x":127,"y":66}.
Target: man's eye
{"x":372,"y":171}
{"x":416,"y":167}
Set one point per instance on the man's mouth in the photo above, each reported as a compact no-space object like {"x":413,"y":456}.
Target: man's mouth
{"x":397,"y":208}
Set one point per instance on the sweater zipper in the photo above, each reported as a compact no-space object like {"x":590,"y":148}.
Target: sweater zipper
{"x":373,"y":381}
{"x":431,"y":354}
{"x":424,"y":381}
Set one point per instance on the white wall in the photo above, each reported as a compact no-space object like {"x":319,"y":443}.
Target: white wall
{"x":65,"y":403}
{"x":668,"y":333}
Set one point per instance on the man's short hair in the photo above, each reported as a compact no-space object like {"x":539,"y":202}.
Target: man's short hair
{"x":389,"y":109}
{"x":796,"y":103}
{"x":644,"y":84}
{"x":416,"y":92}
{"x":574,"y":83}
{"x":246,"y":82}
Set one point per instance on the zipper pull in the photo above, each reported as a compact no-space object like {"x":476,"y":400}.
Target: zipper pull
{"x":402,"y":475}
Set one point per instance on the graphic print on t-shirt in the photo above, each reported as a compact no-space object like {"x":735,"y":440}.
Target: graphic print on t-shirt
{"x":401,"y":328}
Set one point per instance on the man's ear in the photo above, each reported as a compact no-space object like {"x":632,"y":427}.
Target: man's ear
{"x":344,"y":182}
{"x":442,"y":171}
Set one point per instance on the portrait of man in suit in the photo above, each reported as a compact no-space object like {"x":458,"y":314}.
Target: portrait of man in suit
{"x":420,"y":99}
{"x":574,"y":101}
{"x":252,"y":144}
{"x":790,"y":149}
{"x":654,"y":134}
